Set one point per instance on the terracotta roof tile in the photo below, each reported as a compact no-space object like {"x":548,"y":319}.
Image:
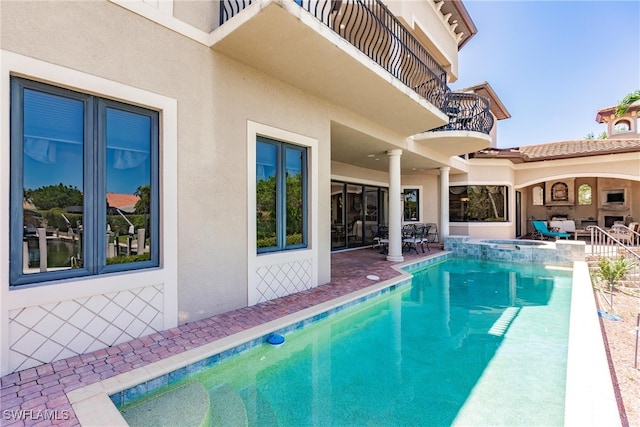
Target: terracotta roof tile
{"x":578,"y":148}
{"x":562,"y":150}
{"x":117,"y":200}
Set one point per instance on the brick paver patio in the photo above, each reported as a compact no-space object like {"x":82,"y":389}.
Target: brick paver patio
{"x":37,"y":396}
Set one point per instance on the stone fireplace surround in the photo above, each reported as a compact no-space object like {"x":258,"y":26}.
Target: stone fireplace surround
{"x":607,"y":212}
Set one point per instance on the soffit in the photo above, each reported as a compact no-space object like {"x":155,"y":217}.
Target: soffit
{"x":356,"y":148}
{"x":465,"y":26}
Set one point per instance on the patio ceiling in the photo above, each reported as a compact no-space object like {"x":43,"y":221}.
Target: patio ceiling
{"x":356,"y":148}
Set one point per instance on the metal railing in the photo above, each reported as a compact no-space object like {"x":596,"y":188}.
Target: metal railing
{"x":606,"y":245}
{"x":467,"y":111}
{"x":375,"y":31}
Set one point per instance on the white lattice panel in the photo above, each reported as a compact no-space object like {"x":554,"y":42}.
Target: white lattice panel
{"x":42,"y":334}
{"x":279,"y":280}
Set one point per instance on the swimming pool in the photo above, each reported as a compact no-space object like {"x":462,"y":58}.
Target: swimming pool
{"x":467,"y":342}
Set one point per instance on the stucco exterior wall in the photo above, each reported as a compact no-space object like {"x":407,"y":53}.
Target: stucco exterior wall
{"x":210,"y":105}
{"x":202,"y":14}
{"x":487,"y":173}
{"x":430,"y":28}
{"x":429,"y":196}
{"x":216,"y":97}
{"x":626,"y":166}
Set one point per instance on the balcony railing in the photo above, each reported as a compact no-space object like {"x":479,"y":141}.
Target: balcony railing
{"x":468,"y":112}
{"x":374,"y":30}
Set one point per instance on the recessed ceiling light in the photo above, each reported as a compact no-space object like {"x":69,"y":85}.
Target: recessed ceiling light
{"x":371,"y":155}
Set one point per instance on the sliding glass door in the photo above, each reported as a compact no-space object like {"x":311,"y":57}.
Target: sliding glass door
{"x":356,"y":213}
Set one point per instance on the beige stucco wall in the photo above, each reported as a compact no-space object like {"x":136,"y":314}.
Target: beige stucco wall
{"x":429,"y":27}
{"x":626,"y":166}
{"x":202,"y":14}
{"x":429,"y":186}
{"x":216,"y":97}
{"x":487,"y":172}
{"x":621,"y":168}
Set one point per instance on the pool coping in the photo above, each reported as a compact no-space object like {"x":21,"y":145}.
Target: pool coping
{"x":590,"y":399}
{"x":93,"y":406}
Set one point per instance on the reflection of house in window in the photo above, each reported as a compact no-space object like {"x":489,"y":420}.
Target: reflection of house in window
{"x":559,"y":192}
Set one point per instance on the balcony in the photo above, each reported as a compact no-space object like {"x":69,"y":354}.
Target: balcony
{"x":469,"y":127}
{"x":352,"y":53}
{"x":467,"y":112}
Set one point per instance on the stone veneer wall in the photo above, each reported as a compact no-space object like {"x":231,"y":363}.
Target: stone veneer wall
{"x":558,"y":252}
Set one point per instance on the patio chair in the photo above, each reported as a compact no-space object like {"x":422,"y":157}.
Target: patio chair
{"x":418,"y":236}
{"x":635,"y":233}
{"x":621,"y":233}
{"x":376,"y":236}
{"x":541,"y":230}
{"x":383,"y":238}
{"x":432,"y":234}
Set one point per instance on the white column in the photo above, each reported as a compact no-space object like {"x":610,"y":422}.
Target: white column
{"x":444,"y":202}
{"x":395,"y":207}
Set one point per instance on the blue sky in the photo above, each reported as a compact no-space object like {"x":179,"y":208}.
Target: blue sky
{"x":553,"y":64}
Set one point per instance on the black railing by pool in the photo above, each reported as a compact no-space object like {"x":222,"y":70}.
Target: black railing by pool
{"x":374,"y":30}
{"x":467,"y":111}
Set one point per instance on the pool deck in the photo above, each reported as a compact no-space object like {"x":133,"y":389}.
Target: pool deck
{"x":38,"y":396}
{"x":74,"y":391}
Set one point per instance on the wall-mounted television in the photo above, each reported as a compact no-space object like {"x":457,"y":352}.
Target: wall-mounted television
{"x":615,"y":196}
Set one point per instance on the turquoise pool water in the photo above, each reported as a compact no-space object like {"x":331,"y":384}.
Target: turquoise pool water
{"x":466,"y":343}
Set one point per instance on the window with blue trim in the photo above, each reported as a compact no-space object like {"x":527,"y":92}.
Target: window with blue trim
{"x":281,"y":195}
{"x":84,"y":184}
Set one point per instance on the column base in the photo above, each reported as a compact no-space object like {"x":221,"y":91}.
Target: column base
{"x":395,"y":258}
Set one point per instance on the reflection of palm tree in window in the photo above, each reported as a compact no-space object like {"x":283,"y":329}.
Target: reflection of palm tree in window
{"x":491,"y":190}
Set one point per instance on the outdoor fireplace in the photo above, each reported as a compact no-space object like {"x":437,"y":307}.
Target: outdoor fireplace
{"x":609,"y":220}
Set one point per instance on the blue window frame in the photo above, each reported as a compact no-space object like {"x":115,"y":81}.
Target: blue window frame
{"x":84,"y":185}
{"x":281,"y":196}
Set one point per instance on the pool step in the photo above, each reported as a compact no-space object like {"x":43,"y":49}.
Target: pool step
{"x":500,"y":326}
{"x":187,"y":405}
{"x":227,"y":407}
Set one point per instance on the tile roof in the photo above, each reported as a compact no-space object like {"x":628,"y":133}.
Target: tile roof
{"x":562,"y":150}
{"x":606,"y":114}
{"x":117,"y":200}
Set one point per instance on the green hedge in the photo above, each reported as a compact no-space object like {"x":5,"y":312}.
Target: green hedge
{"x":122,"y":259}
{"x":268,"y":242}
